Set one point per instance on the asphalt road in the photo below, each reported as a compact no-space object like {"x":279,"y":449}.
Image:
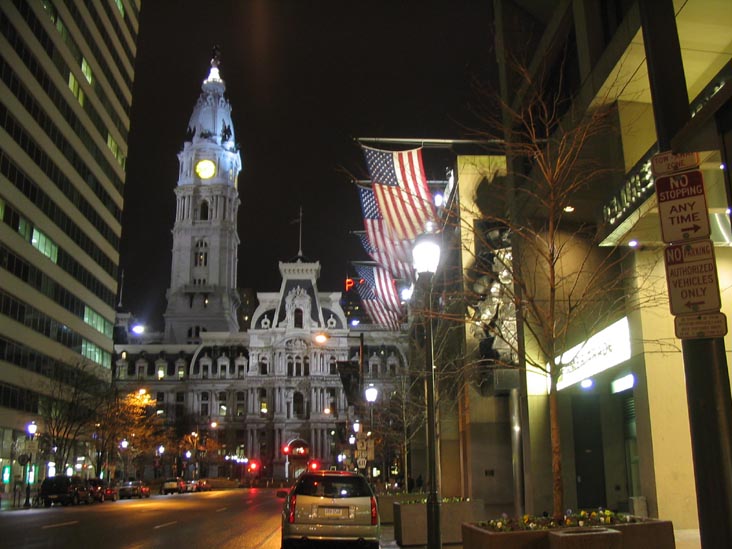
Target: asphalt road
{"x":229,"y":519}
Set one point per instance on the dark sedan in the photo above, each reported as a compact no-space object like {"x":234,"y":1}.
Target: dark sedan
{"x":134,"y":489}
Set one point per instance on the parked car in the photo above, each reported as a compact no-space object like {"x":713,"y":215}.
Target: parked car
{"x":203,"y":486}
{"x":65,"y":490}
{"x":96,"y":489}
{"x":175,"y":485}
{"x":191,"y":485}
{"x":335,"y":506}
{"x":111,"y":491}
{"x":134,"y":489}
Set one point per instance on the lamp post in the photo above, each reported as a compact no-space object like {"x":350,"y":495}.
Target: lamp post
{"x":371,"y":394}
{"x":31,"y":428}
{"x":123,"y":446}
{"x":426,"y":255}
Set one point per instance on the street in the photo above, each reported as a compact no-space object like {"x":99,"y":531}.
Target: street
{"x":228,"y":519}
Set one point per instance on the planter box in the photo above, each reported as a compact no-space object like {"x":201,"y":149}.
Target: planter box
{"x":585,"y":538}
{"x":658,"y":534}
{"x":410,"y":521}
{"x":475,"y":537}
{"x":386,"y":505}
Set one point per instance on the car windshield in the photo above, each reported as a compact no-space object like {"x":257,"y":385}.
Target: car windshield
{"x":333,"y":486}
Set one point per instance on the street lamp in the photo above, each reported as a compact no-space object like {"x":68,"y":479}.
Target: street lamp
{"x":124,"y":445}
{"x":371,"y":393}
{"x":426,"y":255}
{"x":31,"y":428}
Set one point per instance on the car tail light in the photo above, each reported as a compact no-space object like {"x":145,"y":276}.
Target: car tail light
{"x":374,"y":512}
{"x":291,"y":516}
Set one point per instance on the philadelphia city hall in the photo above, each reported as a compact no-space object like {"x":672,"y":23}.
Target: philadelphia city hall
{"x":257,"y":390}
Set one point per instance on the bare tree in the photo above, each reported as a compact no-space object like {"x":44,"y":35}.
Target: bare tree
{"x":68,"y":408}
{"x":537,"y":271}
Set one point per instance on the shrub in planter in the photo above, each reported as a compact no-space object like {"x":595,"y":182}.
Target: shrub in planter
{"x":533,"y":532}
{"x":410,"y":519}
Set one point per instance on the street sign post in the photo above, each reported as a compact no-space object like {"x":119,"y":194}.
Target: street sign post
{"x":666,"y":163}
{"x":697,"y":326}
{"x":691,"y":274}
{"x":682,"y":206}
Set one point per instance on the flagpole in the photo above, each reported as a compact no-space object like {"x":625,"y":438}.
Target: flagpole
{"x":430,"y":143}
{"x":300,"y":248}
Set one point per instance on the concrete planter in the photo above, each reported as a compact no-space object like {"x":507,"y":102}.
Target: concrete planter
{"x":386,"y":505}
{"x":410,"y":521}
{"x":658,"y":534}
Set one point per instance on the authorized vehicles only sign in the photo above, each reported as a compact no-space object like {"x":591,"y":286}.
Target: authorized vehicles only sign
{"x":691,"y":274}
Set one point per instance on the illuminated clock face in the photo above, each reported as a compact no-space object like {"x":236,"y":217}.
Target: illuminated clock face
{"x":205,"y":169}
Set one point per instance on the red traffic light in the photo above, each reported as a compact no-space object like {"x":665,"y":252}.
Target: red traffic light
{"x":286,"y":449}
{"x":313,"y":465}
{"x":253,"y":465}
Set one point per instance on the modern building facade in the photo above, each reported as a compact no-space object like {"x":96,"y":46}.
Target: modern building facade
{"x":67,"y":73}
{"x":625,"y":431}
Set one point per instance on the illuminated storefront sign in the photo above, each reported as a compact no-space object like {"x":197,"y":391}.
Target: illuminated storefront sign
{"x":605,"y":349}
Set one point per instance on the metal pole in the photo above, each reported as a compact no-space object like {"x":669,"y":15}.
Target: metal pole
{"x":360,"y":363}
{"x":434,"y":540}
{"x":705,"y":363}
{"x":517,"y":456}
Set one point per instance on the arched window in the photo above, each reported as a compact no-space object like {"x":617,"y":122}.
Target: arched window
{"x":203,"y":212}
{"x":306,"y":371}
{"x":332,"y":366}
{"x":298,"y":318}
{"x":290,"y":367}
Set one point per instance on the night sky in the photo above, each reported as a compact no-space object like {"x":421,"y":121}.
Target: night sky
{"x":303,"y":78}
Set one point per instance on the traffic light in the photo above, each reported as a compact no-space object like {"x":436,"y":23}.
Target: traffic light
{"x":286,"y":450}
{"x":313,"y":465}
{"x":253,"y":467}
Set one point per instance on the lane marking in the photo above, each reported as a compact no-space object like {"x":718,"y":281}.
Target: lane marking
{"x":60,"y":524}
{"x":165,"y":524}
{"x":222,"y":509}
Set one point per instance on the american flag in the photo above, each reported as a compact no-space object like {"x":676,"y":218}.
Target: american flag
{"x":394,"y":255}
{"x":398,"y":269}
{"x":382,"y":284}
{"x":375,"y":308}
{"x":401,"y":191}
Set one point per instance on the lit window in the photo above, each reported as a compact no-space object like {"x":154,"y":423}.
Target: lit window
{"x":86,"y":69}
{"x":76,"y":89}
{"x":116,"y":151}
{"x":95,"y":353}
{"x":97,"y":321}
{"x":44,"y":245}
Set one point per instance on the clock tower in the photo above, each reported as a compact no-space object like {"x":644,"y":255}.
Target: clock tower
{"x":202,"y":294}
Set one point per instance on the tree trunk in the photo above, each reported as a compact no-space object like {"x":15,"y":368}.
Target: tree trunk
{"x":557,"y":484}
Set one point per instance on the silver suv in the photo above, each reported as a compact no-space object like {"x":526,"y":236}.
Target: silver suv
{"x":336,"y":506}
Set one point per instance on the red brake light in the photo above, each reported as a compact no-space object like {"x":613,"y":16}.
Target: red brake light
{"x":291,"y":515}
{"x":374,"y":512}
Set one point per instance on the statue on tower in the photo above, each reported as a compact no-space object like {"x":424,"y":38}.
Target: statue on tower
{"x":216,"y":56}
